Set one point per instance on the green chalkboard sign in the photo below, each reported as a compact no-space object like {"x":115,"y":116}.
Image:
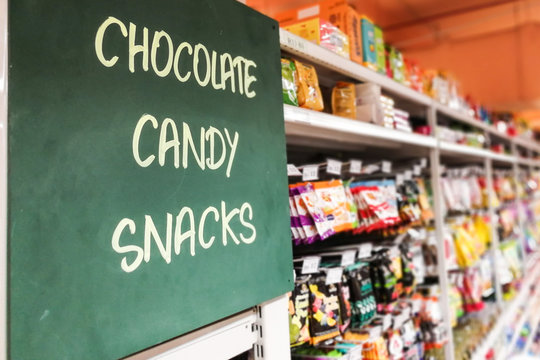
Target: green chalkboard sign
{"x":147,"y":172}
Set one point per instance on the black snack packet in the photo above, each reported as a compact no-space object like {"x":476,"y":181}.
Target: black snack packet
{"x":324,"y":310}
{"x":344,"y":304}
{"x":299,"y":314}
{"x":363,"y":305}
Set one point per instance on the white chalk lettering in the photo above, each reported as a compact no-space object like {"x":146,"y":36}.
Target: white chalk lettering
{"x":186,"y":228}
{"x":98,"y":44}
{"x":222,"y":71}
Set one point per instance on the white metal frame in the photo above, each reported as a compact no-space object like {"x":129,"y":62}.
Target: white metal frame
{"x":263,"y":329}
{"x":3,"y":176}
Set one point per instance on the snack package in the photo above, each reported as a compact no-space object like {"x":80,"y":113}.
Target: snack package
{"x":315,"y":207}
{"x":368,"y":103}
{"x":379,"y":50}
{"x":368,"y":44}
{"x":298,"y":314}
{"x":363,"y":305}
{"x":288,"y":82}
{"x":415,"y":75}
{"x":309,"y":93}
{"x":351,"y":206}
{"x":384,"y":280}
{"x":323,"y":33}
{"x":408,"y":279}
{"x":397,"y":64}
{"x":344,"y":100}
{"x":308,"y":225}
{"x":344,"y":304}
{"x":427,"y":213}
{"x":333,"y":201}
{"x":296,"y":227}
{"x":324,"y":314}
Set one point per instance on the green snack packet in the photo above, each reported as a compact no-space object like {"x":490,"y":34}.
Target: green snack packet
{"x":379,"y":49}
{"x":288,"y":81}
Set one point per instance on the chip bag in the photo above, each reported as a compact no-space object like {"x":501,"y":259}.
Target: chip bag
{"x":288,"y":82}
{"x":344,"y":100}
{"x":309,"y":93}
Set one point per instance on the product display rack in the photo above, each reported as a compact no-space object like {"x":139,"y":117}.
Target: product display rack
{"x":308,"y":128}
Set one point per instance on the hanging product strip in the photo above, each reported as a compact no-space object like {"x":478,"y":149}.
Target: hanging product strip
{"x":470,"y":286}
{"x":376,"y":290}
{"x":371,"y":307}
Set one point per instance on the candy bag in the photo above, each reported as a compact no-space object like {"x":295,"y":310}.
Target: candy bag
{"x":344,"y":100}
{"x":295,"y":221}
{"x":308,"y":225}
{"x":344,"y":304}
{"x":309,"y":93}
{"x":363,"y":306}
{"x":288,"y":82}
{"x":313,"y":205}
{"x":298,"y":314}
{"x":324,"y":315}
{"x":333,"y":201}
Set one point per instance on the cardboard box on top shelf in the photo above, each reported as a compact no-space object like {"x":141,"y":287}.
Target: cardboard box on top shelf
{"x":368,"y":42}
{"x":380,"y":50}
{"x":323,"y":33}
{"x":337,"y":12}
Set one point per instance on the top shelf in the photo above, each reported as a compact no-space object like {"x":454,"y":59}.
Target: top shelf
{"x":316,"y":54}
{"x":330,"y":60}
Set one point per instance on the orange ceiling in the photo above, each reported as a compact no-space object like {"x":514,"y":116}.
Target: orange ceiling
{"x":491,"y":46}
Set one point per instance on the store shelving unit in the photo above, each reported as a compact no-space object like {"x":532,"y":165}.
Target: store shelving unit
{"x":309,"y":128}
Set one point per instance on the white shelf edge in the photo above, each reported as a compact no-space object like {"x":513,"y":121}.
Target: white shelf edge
{"x":461,"y":117}
{"x":510,"y":309}
{"x":222,"y":340}
{"x":503,"y":157}
{"x":530,"y":144}
{"x":464,"y":149}
{"x":318,"y":120}
{"x":319,"y":55}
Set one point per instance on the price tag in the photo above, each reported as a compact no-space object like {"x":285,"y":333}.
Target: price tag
{"x":356,"y":167}
{"x":375,"y":332}
{"x":417,"y":170}
{"x":423,"y":162}
{"x":355,"y":353}
{"x":293,"y":170}
{"x":348,"y":257}
{"x":310,"y":265}
{"x":333,"y":167}
{"x":333,"y":275}
{"x":364,"y":250}
{"x":386,"y":167}
{"x":387,"y":322}
{"x":370,"y":169}
{"x":408,"y":175}
{"x":296,"y":44}
{"x":399,"y":179}
{"x":413,"y":233}
{"x":407,"y":313}
{"x":310,"y":172}
{"x":398,"y":321}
